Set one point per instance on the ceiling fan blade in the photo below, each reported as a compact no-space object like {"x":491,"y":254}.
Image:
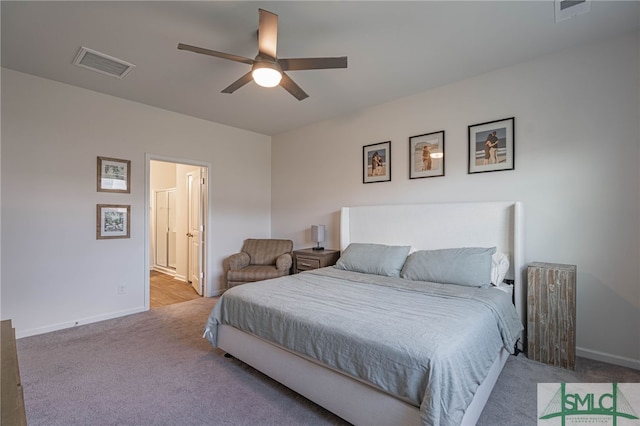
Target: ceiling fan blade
{"x":238,"y":83}
{"x":290,"y":86}
{"x":267,"y":34}
{"x":295,"y":64}
{"x":217,"y":54}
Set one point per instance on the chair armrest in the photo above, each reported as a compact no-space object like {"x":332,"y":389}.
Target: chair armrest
{"x":284,"y":262}
{"x":239,"y":260}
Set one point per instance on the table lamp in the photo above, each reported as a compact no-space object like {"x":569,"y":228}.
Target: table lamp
{"x":317,"y":235}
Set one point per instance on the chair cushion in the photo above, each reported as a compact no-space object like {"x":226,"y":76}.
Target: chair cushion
{"x":265,"y":252}
{"x":255,"y":273}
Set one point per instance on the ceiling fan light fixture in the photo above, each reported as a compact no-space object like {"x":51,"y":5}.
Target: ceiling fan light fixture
{"x":266,"y":69}
{"x":266,"y":74}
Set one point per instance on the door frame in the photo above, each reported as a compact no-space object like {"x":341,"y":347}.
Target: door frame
{"x":206,"y":258}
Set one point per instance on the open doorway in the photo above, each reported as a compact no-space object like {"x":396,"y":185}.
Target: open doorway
{"x":177,"y":201}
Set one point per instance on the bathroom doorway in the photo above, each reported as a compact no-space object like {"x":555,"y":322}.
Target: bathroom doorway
{"x":177,"y":209}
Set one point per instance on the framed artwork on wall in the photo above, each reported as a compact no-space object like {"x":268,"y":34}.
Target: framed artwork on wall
{"x":491,"y":146}
{"x":114,"y":175}
{"x":112,"y":221}
{"x":426,"y":155}
{"x":376,"y":162}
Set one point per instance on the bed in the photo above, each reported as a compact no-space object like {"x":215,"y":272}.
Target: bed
{"x":418,"y":384}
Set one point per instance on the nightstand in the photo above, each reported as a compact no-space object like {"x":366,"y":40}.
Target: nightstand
{"x":307,"y":259}
{"x":551,"y":314}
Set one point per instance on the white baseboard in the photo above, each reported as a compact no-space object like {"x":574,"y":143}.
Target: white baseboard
{"x":171,"y":272}
{"x":611,"y":359}
{"x":70,"y":324}
{"x":164,"y":270}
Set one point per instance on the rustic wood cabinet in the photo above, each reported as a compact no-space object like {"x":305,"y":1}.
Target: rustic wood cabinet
{"x":551,"y":314}
{"x":307,"y":259}
{"x":12,"y":401}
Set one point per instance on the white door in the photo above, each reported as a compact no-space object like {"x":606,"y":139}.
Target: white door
{"x":196,"y":184}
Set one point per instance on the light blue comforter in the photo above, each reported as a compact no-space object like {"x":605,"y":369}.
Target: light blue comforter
{"x":430,"y":344}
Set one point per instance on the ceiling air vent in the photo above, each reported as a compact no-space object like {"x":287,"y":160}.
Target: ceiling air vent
{"x":104,"y":64}
{"x":567,"y":9}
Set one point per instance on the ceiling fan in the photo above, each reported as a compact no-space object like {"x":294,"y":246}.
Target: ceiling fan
{"x":266,"y":69}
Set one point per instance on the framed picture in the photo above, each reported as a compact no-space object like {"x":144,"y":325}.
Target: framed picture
{"x":426,"y":155}
{"x":114,"y":175}
{"x":376,"y":162}
{"x":491,"y":146}
{"x":112,"y":221}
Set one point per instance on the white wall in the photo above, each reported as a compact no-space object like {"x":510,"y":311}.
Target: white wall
{"x":54,"y":271}
{"x":162,"y":175}
{"x":576,"y":171}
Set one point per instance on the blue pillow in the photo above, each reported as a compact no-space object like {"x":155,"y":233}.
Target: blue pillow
{"x":375,"y":259}
{"x":469,"y":266}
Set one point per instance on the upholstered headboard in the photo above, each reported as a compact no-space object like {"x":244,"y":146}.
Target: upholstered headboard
{"x":447,"y":225}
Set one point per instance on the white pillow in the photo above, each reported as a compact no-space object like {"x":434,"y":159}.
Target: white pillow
{"x":499,"y":268}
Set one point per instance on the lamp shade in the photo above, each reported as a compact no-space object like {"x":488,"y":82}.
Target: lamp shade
{"x":266,"y":74}
{"x":317,"y":233}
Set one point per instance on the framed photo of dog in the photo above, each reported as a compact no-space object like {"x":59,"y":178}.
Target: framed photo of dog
{"x":492,"y":145}
{"x":376,"y":162}
{"x":426,"y":155}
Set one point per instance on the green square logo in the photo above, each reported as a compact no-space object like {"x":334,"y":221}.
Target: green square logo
{"x":614,"y":404}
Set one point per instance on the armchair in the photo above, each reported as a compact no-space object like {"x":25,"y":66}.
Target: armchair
{"x":260,"y":259}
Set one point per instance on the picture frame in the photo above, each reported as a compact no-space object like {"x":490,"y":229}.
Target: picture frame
{"x":376,"y":162}
{"x":114,"y":175}
{"x":426,"y":155}
{"x":485,"y":158}
{"x":113,"y":221}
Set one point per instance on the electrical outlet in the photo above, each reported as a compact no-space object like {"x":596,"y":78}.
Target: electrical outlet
{"x":122,"y":288}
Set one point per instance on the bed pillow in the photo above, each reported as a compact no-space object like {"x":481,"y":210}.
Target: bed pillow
{"x":375,"y":259}
{"x":499,"y":268}
{"x":469,"y":266}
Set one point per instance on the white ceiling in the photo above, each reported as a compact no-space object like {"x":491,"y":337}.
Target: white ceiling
{"x":395,"y":49}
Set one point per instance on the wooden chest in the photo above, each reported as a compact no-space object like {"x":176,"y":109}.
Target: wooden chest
{"x":551,"y":314}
